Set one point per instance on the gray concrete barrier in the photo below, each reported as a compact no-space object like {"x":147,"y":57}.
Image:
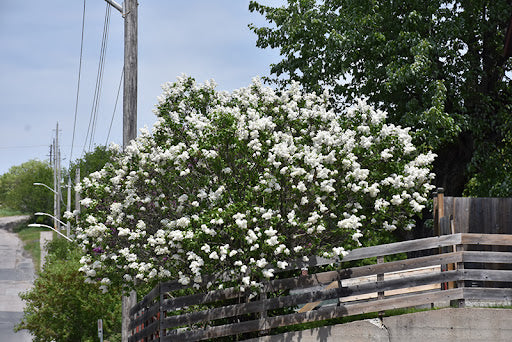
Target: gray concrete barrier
{"x":454,"y":325}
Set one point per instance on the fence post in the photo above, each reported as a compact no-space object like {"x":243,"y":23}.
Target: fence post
{"x":128,"y":303}
{"x":380,"y":277}
{"x":263,"y":314}
{"x":460,"y":303}
{"x":161,"y":313}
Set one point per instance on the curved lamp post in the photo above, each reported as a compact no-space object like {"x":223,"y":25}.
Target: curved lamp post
{"x":47,"y":187}
{"x":46,"y":226}
{"x":53,"y":217}
{"x":56,"y":204}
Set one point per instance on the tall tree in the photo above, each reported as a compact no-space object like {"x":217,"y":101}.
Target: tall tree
{"x":91,"y":161}
{"x":18,"y":192}
{"x":437,"y":66}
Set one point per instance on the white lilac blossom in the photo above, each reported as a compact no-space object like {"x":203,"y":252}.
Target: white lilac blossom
{"x":242,"y":183}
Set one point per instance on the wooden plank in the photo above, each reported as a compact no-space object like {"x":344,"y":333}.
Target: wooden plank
{"x":217,"y":295}
{"x":307,"y":297}
{"x":487,"y":257}
{"x":461,"y":212}
{"x":252,"y":307}
{"x":315,"y":279}
{"x":313,"y":261}
{"x":390,"y":293}
{"x":400,"y":265}
{"x":486,"y":275}
{"x":403,"y":247}
{"x":146,"y":301}
{"x":400,"y":283}
{"x":362,"y":253}
{"x":393,"y":275}
{"x":311,"y":316}
{"x":311,"y":306}
{"x":172,"y":285}
{"x":380,"y":277}
{"x":200,"y":298}
{"x":487,"y":239}
{"x":505,"y":216}
{"x":325,"y":277}
{"x":145,"y":332}
{"x":146,"y":315}
{"x":482,"y":293}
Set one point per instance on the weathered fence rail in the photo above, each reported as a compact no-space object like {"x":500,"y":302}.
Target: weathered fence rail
{"x":164,"y":315}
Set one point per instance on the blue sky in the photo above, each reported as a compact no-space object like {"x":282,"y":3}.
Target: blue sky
{"x":39,"y":62}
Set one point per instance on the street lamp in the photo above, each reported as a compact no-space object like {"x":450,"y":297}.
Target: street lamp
{"x":57,"y":198}
{"x":46,"y":226}
{"x":53,"y":217}
{"x":47,"y":187}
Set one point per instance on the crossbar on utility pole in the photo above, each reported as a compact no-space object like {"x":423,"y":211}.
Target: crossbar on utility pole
{"x":115,"y":5}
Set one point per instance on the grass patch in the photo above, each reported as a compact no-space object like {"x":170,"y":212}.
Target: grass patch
{"x":9,"y":212}
{"x":31,"y":242}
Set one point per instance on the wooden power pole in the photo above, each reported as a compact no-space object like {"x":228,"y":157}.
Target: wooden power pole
{"x":129,"y":12}
{"x":130,"y":72}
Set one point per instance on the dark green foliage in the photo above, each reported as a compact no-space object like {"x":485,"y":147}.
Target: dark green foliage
{"x":436,"y":66}
{"x":61,"y":307}
{"x":17,"y":189}
{"x":91,"y":162}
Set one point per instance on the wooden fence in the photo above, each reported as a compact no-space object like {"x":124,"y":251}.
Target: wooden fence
{"x":164,"y":315}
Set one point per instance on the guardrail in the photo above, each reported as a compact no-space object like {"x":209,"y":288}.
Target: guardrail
{"x":165,"y":315}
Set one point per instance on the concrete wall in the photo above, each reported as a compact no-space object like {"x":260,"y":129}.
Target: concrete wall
{"x":454,"y":325}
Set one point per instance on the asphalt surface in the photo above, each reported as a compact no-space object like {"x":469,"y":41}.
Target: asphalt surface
{"x":16,"y":276}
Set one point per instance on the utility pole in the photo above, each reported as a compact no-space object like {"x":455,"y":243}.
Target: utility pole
{"x":58,"y":173}
{"x":68,"y":206}
{"x":55,"y":199}
{"x":77,"y":193}
{"x":130,"y":72}
{"x":129,"y":13}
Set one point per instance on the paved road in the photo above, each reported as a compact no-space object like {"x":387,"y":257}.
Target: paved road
{"x":16,"y":275}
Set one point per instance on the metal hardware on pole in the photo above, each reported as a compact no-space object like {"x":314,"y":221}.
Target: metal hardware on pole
{"x":115,"y":5}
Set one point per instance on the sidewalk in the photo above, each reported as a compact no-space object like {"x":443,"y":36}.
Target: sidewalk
{"x":16,"y":275}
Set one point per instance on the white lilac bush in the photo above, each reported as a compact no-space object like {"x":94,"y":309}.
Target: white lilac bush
{"x":241,"y":183}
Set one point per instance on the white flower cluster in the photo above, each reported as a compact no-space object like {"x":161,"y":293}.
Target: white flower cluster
{"x":242,"y":183}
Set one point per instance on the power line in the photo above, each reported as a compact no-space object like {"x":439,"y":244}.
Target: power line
{"x":115,"y":106}
{"x":105,"y":40}
{"x":78,"y":84}
{"x":21,"y":146}
{"x":99,"y":79}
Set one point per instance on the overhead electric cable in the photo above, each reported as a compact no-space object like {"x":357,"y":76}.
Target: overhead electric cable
{"x":78,"y":83}
{"x":99,"y":79}
{"x":115,"y":106}
{"x":105,"y":41}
